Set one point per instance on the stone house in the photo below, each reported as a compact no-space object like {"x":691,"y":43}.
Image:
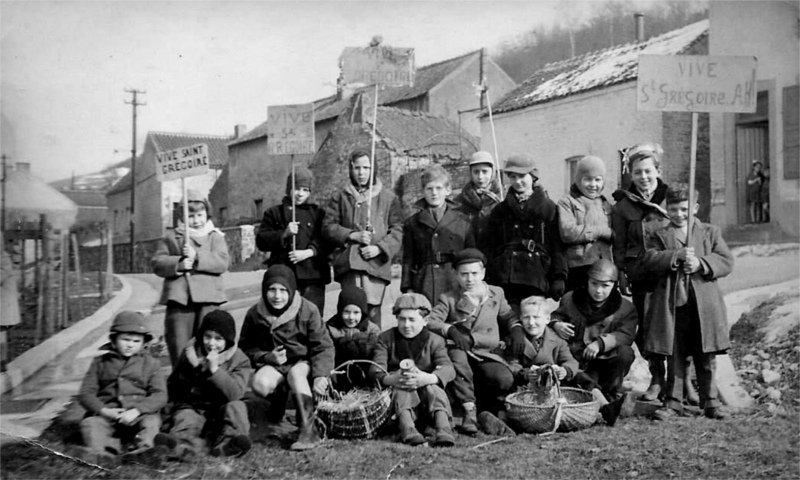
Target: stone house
{"x":158,"y":203}
{"x":587,"y":105}
{"x":769,"y":31}
{"x":445,"y":89}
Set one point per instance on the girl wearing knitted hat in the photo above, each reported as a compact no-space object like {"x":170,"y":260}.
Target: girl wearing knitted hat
{"x":354,"y":337}
{"x":286,"y":341}
{"x":298,"y":244}
{"x":584,"y":221}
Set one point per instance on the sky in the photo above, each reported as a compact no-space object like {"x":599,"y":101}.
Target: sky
{"x":206,"y":66}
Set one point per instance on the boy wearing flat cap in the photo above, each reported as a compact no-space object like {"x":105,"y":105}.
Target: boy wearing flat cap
{"x":473,"y":318}
{"x":414,"y":361}
{"x":525,"y":257}
{"x":123,"y":392}
{"x":480,"y":195}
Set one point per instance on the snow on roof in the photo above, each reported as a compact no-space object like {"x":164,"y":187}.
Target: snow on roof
{"x":597,"y":69}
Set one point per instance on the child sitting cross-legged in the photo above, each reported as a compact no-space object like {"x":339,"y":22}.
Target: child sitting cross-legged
{"x":206,"y":389}
{"x":354,"y":338}
{"x":123,"y":392}
{"x":286,"y":341}
{"x":418,"y":368}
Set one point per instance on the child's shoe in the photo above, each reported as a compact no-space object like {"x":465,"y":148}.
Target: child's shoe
{"x":165,"y":440}
{"x":610,"y":411}
{"x":492,"y":425}
{"x":232,"y":446}
{"x":408,"y":431}
{"x":309,"y":436}
{"x":444,"y":432}
{"x":469,"y":425}
{"x":666,"y":413}
{"x":715,"y":413}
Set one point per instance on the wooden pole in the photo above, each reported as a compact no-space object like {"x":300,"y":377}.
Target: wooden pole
{"x":499,"y":178}
{"x":372,"y":159}
{"x":63,"y":292}
{"x":294,"y":205}
{"x":100,"y":280}
{"x":78,"y":273}
{"x":109,"y":261}
{"x":185,"y":216}
{"x":692,"y":174}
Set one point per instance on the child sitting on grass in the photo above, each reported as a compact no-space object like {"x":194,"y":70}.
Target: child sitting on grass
{"x":419,"y":369}
{"x":687,"y":319}
{"x":354,"y":338}
{"x":286,"y":341}
{"x":123,"y":393}
{"x":206,"y":389}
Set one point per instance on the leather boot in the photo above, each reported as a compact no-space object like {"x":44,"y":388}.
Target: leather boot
{"x":469,"y":425}
{"x":408,"y":431}
{"x":657,"y":371}
{"x":444,"y":432}
{"x":309,"y":436}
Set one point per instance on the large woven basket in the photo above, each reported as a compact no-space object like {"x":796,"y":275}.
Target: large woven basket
{"x":345,"y":418}
{"x":574,"y":409}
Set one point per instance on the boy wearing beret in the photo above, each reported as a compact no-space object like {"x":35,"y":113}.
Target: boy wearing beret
{"x":418,"y":368}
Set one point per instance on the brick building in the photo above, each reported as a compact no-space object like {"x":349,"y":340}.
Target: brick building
{"x":444,"y":89}
{"x":587,"y":105}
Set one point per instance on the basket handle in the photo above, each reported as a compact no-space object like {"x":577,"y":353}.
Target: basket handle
{"x":559,"y":406}
{"x":342,"y":368}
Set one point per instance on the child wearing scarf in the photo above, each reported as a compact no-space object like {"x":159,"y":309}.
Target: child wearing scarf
{"x":192,"y":273}
{"x":419,"y":369}
{"x":286,"y":341}
{"x":584,"y":221}
{"x":480,"y":195}
{"x":354,"y":337}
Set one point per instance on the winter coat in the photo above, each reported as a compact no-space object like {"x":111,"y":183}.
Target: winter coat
{"x":525,"y":244}
{"x":433,"y":359}
{"x":632,"y":219}
{"x":659,"y":259}
{"x":190,"y":385}
{"x":347,"y":213}
{"x":478,"y":207}
{"x":551,"y":350}
{"x":613,"y":324}
{"x":429,"y":247}
{"x":491,"y":322}
{"x":114,"y":381}
{"x":353,"y":343}
{"x":585,"y":227}
{"x":309,"y":235}
{"x":299,"y":329}
{"x":204,"y":283}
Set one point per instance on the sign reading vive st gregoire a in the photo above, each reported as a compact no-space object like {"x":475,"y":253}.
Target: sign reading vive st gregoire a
{"x":182,"y":162}
{"x":380,"y":65}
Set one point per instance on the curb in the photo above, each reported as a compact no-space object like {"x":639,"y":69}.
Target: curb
{"x":25,"y":365}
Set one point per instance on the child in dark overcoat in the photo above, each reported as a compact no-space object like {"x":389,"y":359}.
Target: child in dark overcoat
{"x":287,"y":342}
{"x":480,"y":195}
{"x":431,"y":238}
{"x":298,"y":244}
{"x":354,"y":338}
{"x":687,"y":319}
{"x":414,"y":361}
{"x":206,"y":389}
{"x":192,"y":273}
{"x":526,"y":255}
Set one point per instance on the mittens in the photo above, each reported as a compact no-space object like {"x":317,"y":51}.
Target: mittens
{"x":517,"y":346}
{"x":462,"y":341}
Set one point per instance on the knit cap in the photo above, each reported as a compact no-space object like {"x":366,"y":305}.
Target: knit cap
{"x":280,"y":274}
{"x":130,"y":322}
{"x":221,"y":322}
{"x":590,"y":166}
{"x":302,"y":178}
{"x":194,"y":195}
{"x":352,"y":295}
{"x":603,"y":271}
{"x":413,"y":301}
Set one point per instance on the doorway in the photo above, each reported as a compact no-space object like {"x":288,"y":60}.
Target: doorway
{"x":752,"y":145}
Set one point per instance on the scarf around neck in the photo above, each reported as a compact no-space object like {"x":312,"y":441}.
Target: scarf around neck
{"x":198,"y":232}
{"x":411,"y":347}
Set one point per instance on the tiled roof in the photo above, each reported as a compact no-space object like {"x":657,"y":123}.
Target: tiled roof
{"x":217,"y":144}
{"x":599,"y":69}
{"x":122,"y":185}
{"x":425,"y":79}
{"x":86,"y":198}
{"x":422,"y":134}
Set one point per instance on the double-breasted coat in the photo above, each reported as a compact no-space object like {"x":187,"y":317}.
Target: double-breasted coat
{"x":584,"y":224}
{"x":659,"y":260}
{"x":550,"y":349}
{"x":432,"y":358}
{"x":346,"y":213}
{"x":429,"y":247}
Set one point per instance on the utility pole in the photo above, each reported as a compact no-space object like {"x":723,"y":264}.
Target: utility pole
{"x":5,"y":179}
{"x":135,"y":103}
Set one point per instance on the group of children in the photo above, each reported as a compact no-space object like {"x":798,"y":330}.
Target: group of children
{"x":475,"y":321}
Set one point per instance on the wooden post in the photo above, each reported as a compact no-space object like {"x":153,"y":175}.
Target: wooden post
{"x":294,"y":204}
{"x":100,"y":280}
{"x":78,"y":273}
{"x":692,"y":197}
{"x":372,"y":160}
{"x":109,"y":262}
{"x":63,"y":292}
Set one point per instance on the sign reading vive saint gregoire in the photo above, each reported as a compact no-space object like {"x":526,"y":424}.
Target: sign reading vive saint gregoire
{"x":182,"y":162}
{"x":379,"y":65}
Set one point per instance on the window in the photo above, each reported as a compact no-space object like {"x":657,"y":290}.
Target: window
{"x":259,"y":204}
{"x":572,"y":168}
{"x":223,"y":216}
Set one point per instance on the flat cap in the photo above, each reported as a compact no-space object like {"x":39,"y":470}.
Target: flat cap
{"x":521,"y":164}
{"x":414,"y":301}
{"x":481,"y":157}
{"x":469,"y":255}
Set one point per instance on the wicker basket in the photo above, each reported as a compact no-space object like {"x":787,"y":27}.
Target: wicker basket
{"x":575,"y":409}
{"x":345,"y":418}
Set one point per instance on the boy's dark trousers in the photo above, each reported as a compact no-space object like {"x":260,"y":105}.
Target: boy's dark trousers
{"x":606,"y":373}
{"x":181,"y":323}
{"x":101,"y":434}
{"x":688,"y":341}
{"x":314,"y":292}
{"x":431,"y":397}
{"x":220,"y":421}
{"x":494,"y":379}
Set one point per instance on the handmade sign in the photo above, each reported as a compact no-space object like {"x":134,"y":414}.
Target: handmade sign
{"x":182,"y":162}
{"x":380,"y":65}
{"x":290,"y":129}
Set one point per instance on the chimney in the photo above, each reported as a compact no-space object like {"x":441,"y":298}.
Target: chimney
{"x":638,"y":19}
{"x":24,"y":167}
{"x":239,"y":131}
